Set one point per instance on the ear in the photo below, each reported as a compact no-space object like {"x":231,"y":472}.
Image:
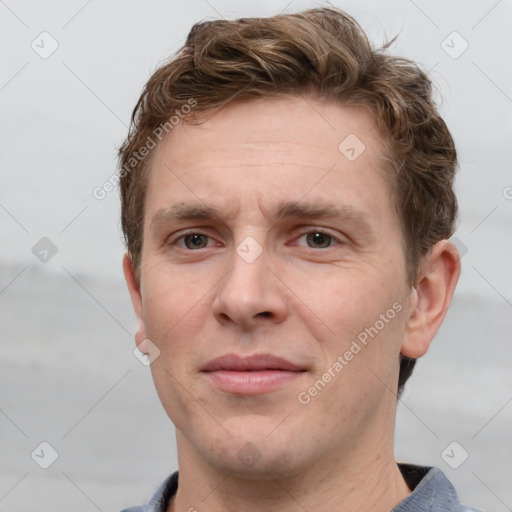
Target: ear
{"x":134,"y":288}
{"x":430,"y":299}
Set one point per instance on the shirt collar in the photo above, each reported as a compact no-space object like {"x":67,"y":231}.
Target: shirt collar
{"x":431,"y":492}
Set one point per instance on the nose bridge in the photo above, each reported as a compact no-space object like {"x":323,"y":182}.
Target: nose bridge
{"x":249,"y":291}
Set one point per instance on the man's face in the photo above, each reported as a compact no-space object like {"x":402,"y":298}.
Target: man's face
{"x":272,"y":247}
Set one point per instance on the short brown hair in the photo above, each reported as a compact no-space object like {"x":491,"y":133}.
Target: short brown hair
{"x":322,"y":52}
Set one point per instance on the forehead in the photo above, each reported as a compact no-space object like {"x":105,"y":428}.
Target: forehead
{"x":284,"y":123}
{"x":276,"y":149}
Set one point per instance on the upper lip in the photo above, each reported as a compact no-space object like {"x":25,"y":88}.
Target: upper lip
{"x":236,"y":363}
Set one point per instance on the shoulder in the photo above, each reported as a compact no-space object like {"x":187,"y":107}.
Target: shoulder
{"x":160,"y":499}
{"x":431,"y":491}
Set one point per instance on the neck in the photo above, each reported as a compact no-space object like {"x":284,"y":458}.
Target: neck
{"x":347,"y":486}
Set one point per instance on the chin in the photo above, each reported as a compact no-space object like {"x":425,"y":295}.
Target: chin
{"x":251,"y":463}
{"x":256,"y":452}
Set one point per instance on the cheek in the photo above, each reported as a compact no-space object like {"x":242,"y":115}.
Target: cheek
{"x":364,"y":313}
{"x":171,"y":300}
{"x":174,"y":318}
{"x":361,"y":369}
{"x":346,"y":301}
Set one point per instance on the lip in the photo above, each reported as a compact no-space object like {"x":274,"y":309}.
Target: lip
{"x":255,"y":362}
{"x":251,"y":375}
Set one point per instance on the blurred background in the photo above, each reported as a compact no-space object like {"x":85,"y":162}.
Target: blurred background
{"x":70,"y":74}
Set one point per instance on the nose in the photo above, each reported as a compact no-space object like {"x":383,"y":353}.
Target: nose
{"x":250,"y":294}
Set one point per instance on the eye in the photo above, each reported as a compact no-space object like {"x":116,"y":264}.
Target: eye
{"x":193,"y":241}
{"x":317,"y":239}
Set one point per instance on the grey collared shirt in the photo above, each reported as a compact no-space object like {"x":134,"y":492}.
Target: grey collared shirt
{"x":431,"y":492}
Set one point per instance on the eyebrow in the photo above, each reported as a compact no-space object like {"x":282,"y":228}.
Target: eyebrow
{"x":288,"y":209}
{"x":191,"y":211}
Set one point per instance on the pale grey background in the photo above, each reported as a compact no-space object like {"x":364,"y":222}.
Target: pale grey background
{"x":67,"y":372}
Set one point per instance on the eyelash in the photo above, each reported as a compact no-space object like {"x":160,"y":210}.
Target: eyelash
{"x":302,"y":234}
{"x":190,"y":233}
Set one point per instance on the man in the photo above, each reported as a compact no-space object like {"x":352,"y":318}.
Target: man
{"x":286,"y":202}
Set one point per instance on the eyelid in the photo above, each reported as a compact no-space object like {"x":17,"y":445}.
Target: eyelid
{"x":174,"y":238}
{"x":180,"y":235}
{"x":315,"y":229}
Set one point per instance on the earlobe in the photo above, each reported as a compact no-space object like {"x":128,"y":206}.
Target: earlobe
{"x":135,"y":294}
{"x":431,"y":298}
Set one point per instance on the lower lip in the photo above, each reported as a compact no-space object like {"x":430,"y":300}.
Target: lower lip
{"x":251,"y":383}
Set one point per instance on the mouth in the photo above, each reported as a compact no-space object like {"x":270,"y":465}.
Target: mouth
{"x":251,"y":375}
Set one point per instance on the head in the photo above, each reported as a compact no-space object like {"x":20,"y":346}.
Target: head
{"x":257,"y":128}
